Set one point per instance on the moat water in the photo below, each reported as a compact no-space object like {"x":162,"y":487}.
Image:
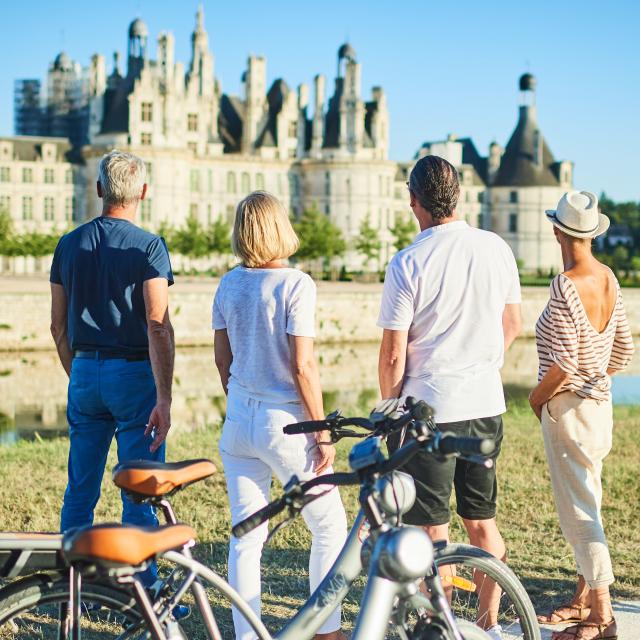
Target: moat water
{"x":33,"y":386}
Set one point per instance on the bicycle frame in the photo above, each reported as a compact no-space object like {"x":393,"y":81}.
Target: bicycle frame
{"x":328,"y":595}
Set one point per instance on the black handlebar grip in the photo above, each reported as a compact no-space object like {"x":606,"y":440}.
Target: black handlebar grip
{"x":466,"y":446}
{"x":256,"y":519}
{"x":310,"y":426}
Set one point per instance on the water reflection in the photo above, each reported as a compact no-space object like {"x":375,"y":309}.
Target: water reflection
{"x":33,"y":386}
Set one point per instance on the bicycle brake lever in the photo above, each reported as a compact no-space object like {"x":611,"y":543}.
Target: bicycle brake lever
{"x":481,"y":460}
{"x":279,"y":526}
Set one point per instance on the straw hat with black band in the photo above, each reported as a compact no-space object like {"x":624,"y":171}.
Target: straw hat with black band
{"x":577,"y":215}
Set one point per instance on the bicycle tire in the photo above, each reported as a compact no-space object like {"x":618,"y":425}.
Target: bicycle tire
{"x":517,"y":618}
{"x":29,"y":608}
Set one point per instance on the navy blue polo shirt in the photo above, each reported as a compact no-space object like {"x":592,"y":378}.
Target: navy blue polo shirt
{"x":102,"y":265}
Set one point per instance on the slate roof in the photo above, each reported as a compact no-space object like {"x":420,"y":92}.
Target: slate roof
{"x":230,"y":122}
{"x":518,"y":167}
{"x":29,"y":148}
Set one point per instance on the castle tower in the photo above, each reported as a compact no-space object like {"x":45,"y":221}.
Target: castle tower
{"x":255,"y":79}
{"x":201,"y":68}
{"x":527,"y":181}
{"x":137,"y":48}
{"x":317,"y":126}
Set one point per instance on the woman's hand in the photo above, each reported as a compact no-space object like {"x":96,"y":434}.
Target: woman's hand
{"x":325,"y":452}
{"x":536,"y":406}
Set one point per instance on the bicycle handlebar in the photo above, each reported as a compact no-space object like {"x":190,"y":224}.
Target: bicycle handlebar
{"x":451,"y":445}
{"x":445,"y":444}
{"x":415,"y":410}
{"x":259,"y":517}
{"x":313,"y":426}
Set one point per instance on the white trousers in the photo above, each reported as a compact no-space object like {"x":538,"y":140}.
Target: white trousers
{"x":252,"y":447}
{"x":577,"y":436}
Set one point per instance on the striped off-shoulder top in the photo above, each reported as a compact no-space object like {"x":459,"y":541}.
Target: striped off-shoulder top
{"x":566,"y":337}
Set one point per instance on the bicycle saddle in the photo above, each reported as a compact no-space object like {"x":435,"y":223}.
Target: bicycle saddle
{"x":124,"y":545}
{"x":148,"y":479}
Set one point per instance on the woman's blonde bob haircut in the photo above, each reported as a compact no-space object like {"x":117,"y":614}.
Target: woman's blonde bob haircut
{"x":262,"y":231}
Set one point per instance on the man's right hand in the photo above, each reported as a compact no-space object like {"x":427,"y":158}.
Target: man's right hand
{"x":159,"y":424}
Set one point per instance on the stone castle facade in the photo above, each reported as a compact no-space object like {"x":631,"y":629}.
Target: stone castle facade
{"x":206,"y":149}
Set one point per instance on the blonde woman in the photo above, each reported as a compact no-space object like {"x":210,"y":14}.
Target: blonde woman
{"x":264,"y":317}
{"x":583,"y":338}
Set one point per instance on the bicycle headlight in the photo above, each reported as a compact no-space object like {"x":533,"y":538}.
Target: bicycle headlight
{"x":396,"y":493}
{"x":404,"y":554}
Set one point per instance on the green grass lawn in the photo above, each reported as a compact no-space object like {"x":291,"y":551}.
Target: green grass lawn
{"x":33,"y":475}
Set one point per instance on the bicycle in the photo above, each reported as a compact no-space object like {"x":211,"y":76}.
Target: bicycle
{"x":156,"y":483}
{"x":396,"y":556}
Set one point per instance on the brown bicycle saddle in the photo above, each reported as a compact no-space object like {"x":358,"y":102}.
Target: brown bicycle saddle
{"x":124,"y":545}
{"x":148,"y":479}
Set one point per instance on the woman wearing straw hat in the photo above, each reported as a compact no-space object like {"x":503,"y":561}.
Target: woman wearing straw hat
{"x":582,"y":338}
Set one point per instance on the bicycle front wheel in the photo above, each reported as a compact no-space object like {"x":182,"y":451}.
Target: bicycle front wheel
{"x":483,"y":590}
{"x":35,"y":608}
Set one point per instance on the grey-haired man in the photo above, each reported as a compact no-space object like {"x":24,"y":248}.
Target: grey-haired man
{"x":110,"y":322}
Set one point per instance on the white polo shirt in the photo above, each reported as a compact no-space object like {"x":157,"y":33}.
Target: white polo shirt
{"x":449,"y":289}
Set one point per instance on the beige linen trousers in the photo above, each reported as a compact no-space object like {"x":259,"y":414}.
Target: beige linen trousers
{"x":577,"y":436}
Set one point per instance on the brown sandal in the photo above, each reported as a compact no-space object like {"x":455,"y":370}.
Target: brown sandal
{"x":583,"y":613}
{"x":576,"y":630}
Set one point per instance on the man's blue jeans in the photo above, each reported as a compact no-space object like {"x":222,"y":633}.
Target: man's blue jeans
{"x":106,"y":398}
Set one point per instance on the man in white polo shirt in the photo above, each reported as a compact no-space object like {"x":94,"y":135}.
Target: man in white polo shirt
{"x":450,"y":308}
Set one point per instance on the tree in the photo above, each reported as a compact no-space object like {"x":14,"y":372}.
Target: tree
{"x":191,"y":240}
{"x":7,"y":240}
{"x":368,"y":242}
{"x":319,"y":238}
{"x":218,"y":236}
{"x":403,"y":230}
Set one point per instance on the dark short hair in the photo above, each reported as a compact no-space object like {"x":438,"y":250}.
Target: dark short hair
{"x":434,"y":183}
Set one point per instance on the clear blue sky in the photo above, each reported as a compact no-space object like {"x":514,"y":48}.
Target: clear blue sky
{"x":446,"y":66}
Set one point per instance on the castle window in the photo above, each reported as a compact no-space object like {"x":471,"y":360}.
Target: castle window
{"x":209,"y":214}
{"x":193,"y":210}
{"x":260,"y":181}
{"x":68,"y":176}
{"x":5,"y":174}
{"x":513,"y":223}
{"x":68,"y":208}
{"x":27,"y":208}
{"x":48,"y":176}
{"x":145,"y":210}
{"x":230,"y":214}
{"x":149,"y":167}
{"x":193,"y":147}
{"x":75,"y":214}
{"x":292,"y":130}
{"x":192,"y":122}
{"x":5,"y":204}
{"x":231,"y":182}
{"x":327,"y":209}
{"x":145,"y":139}
{"x":27,"y":175}
{"x":513,"y":196}
{"x":467,"y":196}
{"x":49,"y":208}
{"x":146,"y":112}
{"x":194,"y":180}
{"x":245,"y":183}
{"x":480,"y":195}
{"x":327,"y":183}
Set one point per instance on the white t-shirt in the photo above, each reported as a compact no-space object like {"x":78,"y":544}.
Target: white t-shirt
{"x":449,"y":289}
{"x":260,"y":308}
